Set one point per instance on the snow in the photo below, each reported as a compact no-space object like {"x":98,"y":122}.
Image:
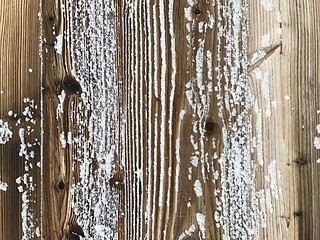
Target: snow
{"x":201,"y":220}
{"x":58,"y":44}
{"x":318,"y":128}
{"x":316,"y":142}
{"x":5,"y":132}
{"x":63,"y":140}
{"x":3,"y":185}
{"x":287,"y":97}
{"x":187,"y":232}
{"x":198,"y":188}
{"x":266,"y":40}
{"x":30,"y":70}
{"x":267,"y":4}
{"x":257,"y":56}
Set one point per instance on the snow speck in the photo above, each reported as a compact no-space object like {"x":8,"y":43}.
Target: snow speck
{"x":267,"y":4}
{"x":63,"y":140}
{"x":1,"y":92}
{"x":5,"y":132}
{"x":266,"y":40}
{"x":3,"y":185}
{"x":287,"y":97}
{"x":187,"y":232}
{"x":318,"y":161}
{"x":279,"y":17}
{"x":201,"y":220}
{"x":30,"y":70}
{"x":182,"y":113}
{"x":318,"y":128}
{"x":38,"y":232}
{"x":58,"y":44}
{"x":10,"y":113}
{"x":198,"y":188}
{"x":316,"y":142}
{"x":257,"y":56}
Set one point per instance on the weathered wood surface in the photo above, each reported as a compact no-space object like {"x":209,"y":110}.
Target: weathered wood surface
{"x":289,"y":132}
{"x":193,"y":144}
{"x":19,"y":47}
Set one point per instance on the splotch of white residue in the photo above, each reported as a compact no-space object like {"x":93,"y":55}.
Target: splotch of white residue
{"x":273,"y":179}
{"x":3,"y":185}
{"x":103,"y":231}
{"x":287,"y":97}
{"x":257,"y":56}
{"x":187,"y":232}
{"x":279,"y":17}
{"x":266,"y":40}
{"x":316,"y":142}
{"x":266,"y":92}
{"x":318,"y":128}
{"x":61,"y":97}
{"x":30,"y":70}
{"x":267,"y":4}
{"x":201,"y":220}
{"x":318,"y":160}
{"x":69,"y":137}
{"x":5,"y":132}
{"x":182,"y":113}
{"x":197,"y":186}
{"x":58,"y":44}
{"x":63,"y":140}
{"x":259,"y":134}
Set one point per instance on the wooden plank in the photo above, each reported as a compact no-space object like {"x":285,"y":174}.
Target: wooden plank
{"x":294,"y":119}
{"x":20,"y":81}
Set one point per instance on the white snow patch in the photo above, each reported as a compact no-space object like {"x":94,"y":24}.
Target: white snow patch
{"x":3,"y":185}
{"x":58,"y":44}
{"x":279,"y":17}
{"x":198,"y":188}
{"x":182,"y":113}
{"x":318,"y":128}
{"x":266,"y":40}
{"x":316,"y":142}
{"x":63,"y":140}
{"x":30,"y":70}
{"x":287,"y":97}
{"x":5,"y":132}
{"x":267,"y":4}
{"x":201,"y":220}
{"x":257,"y":56}
{"x":187,"y":232}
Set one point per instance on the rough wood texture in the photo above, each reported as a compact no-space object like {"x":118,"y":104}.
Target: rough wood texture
{"x":201,"y":146}
{"x":19,"y":47}
{"x":289,"y":133}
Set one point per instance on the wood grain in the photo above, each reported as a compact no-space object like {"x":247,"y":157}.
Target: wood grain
{"x":19,"y":47}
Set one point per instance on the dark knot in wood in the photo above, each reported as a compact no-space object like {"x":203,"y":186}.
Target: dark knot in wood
{"x":209,"y":126}
{"x":61,"y":185}
{"x":75,"y":231}
{"x":197,"y":10}
{"x":71,"y":85}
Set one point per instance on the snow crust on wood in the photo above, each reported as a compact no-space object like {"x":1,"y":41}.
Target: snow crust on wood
{"x":5,"y":132}
{"x":3,"y":185}
{"x":96,"y":139}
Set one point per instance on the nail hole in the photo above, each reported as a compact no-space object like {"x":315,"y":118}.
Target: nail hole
{"x":51,"y":18}
{"x":210,"y":126}
{"x":297,"y":213}
{"x":71,"y":85}
{"x":61,"y":185}
{"x":197,"y":10}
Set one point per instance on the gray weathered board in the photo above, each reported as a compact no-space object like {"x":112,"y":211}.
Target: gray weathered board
{"x":210,"y":119}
